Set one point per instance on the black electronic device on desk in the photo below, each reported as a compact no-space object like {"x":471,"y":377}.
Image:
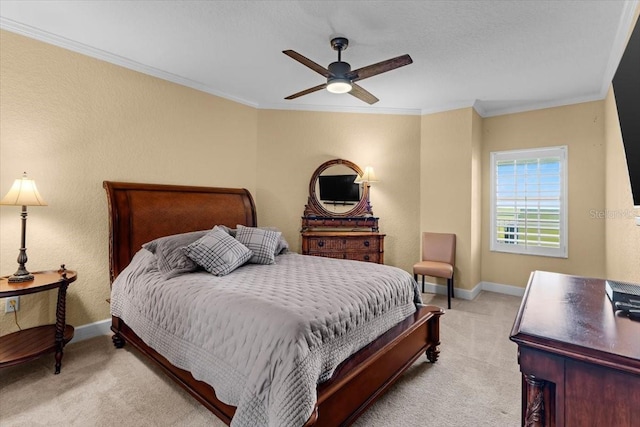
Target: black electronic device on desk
{"x":625,"y":297}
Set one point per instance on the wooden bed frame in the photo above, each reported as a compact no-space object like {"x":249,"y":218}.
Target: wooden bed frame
{"x":139,"y":213}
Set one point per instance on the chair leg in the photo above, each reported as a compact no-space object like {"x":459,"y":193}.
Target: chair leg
{"x":453,"y":294}
{"x":415,"y":277}
{"x":449,"y":292}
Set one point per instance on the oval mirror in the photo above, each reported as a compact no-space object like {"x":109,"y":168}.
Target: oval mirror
{"x":333,"y":192}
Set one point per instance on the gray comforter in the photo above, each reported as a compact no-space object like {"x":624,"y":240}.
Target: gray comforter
{"x":265,"y":335}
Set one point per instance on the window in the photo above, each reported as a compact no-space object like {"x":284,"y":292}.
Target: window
{"x":529,"y":201}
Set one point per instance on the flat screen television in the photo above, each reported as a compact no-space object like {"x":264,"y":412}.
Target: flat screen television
{"x":339,"y":188}
{"x":626,"y":87}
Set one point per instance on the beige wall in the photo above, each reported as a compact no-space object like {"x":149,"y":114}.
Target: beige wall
{"x":292,"y":144}
{"x":581,"y":128}
{"x":475,"y":245}
{"x":448,"y":191}
{"x":622,"y":235}
{"x":71,"y":122}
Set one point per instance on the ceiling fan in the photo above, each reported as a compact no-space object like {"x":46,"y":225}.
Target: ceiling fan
{"x":340,"y":78}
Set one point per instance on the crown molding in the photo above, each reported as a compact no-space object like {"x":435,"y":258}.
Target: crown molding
{"x":49,"y":38}
{"x":618,"y":47}
{"x":449,"y":107}
{"x":342,"y":109}
{"x":619,"y":44}
{"x":538,"y":105}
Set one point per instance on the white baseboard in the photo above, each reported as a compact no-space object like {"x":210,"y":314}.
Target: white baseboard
{"x":433,"y":288}
{"x":516,"y":291}
{"x":473,"y":293}
{"x":84,"y":332}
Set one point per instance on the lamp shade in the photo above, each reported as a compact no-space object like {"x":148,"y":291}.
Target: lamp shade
{"x":367,"y":176}
{"x":23,"y":192}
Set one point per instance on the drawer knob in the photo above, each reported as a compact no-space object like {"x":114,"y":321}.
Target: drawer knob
{"x":366,"y":243}
{"x":366,"y":257}
{"x":321,"y":243}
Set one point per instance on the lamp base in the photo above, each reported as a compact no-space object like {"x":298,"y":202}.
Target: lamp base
{"x":21,"y":278}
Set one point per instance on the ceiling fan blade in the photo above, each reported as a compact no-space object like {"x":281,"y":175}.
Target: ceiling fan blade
{"x":309,"y":63}
{"x":363,"y":95}
{"x":307,"y":91}
{"x":380,"y":67}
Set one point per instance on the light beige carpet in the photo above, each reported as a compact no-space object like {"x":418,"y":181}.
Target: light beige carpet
{"x":476,"y":381}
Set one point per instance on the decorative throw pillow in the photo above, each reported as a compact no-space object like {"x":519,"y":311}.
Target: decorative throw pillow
{"x":283,"y":245}
{"x":217,"y":252}
{"x":261,"y":242}
{"x":230,"y":231}
{"x":172,"y":261}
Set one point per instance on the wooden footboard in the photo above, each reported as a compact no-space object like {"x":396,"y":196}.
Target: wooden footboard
{"x":361,"y":379}
{"x":356,"y":383}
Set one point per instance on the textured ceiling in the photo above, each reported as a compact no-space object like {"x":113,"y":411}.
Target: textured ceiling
{"x":499,"y":56}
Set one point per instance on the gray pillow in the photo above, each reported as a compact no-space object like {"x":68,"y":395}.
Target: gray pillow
{"x":172,"y":261}
{"x":283,"y":245}
{"x":261,"y":242}
{"x":230,"y":231}
{"x":217,"y":252}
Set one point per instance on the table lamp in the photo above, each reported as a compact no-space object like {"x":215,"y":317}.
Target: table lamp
{"x":23,"y":193}
{"x":367,"y":177}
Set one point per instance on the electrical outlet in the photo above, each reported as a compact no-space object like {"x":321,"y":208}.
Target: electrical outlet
{"x":10,"y":308}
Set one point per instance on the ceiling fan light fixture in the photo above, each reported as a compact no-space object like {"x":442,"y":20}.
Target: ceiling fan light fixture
{"x":340,"y":78}
{"x":339,"y":85}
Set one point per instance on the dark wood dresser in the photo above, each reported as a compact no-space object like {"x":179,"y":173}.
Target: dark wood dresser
{"x":579,"y":358}
{"x":344,"y":230}
{"x":359,"y":245}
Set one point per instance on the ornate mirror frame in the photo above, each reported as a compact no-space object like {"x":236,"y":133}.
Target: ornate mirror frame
{"x":314,"y":207}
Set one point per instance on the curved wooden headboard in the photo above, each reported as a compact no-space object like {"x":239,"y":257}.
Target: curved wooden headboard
{"x":139,"y":213}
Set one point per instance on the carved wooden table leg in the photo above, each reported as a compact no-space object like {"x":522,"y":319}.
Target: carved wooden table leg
{"x":60,"y":323}
{"x":534,"y":415}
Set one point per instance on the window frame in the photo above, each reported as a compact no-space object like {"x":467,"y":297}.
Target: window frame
{"x":560,"y":152}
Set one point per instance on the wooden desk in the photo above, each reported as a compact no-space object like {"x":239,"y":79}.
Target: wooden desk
{"x":579,"y":358}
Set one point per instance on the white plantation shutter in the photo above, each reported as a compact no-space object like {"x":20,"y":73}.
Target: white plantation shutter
{"x":528,"y":201}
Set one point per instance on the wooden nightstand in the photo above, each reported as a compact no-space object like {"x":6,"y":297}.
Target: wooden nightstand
{"x":28,"y":344}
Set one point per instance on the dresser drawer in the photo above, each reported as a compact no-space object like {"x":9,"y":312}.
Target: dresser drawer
{"x":354,"y":256}
{"x":340,"y":244}
{"x":345,"y":245}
